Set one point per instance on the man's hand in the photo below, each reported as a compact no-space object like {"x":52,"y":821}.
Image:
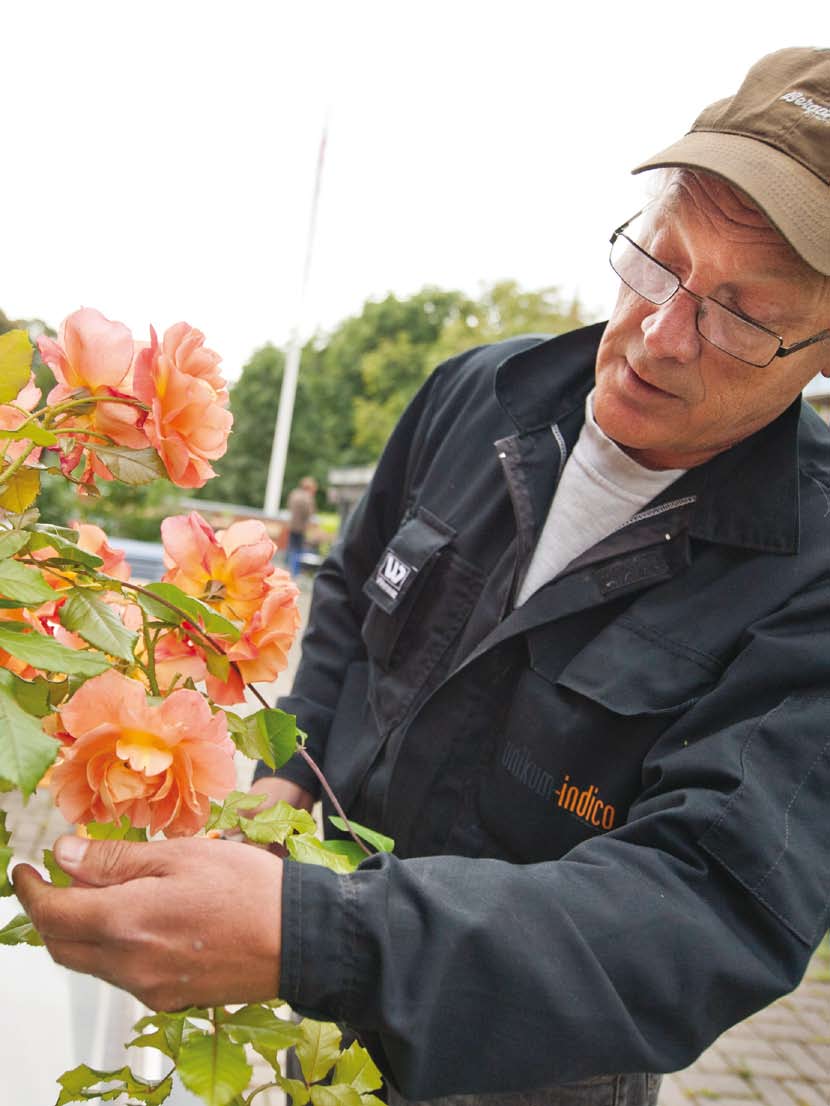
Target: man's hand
{"x":192,"y":922}
{"x":275,"y":789}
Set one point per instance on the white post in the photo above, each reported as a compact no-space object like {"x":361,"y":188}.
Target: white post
{"x":288,"y":391}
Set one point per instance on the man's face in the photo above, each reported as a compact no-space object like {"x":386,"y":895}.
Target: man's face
{"x":668,"y":397}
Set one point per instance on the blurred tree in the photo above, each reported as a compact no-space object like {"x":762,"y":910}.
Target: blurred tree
{"x":355,"y":382}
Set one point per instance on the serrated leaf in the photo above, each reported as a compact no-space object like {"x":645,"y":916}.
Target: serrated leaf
{"x":25,"y":750}
{"x":248,"y":738}
{"x":214,"y":1068}
{"x":191,"y":608}
{"x":20,"y":931}
{"x":12,"y":541}
{"x":34,"y":432}
{"x":295,"y":1088}
{"x":46,"y":653}
{"x":279,"y":730}
{"x":371,"y":1100}
{"x":65,"y":548}
{"x":166,"y":1038}
{"x":97,"y":623}
{"x":380,"y":841}
{"x":16,"y":352}
{"x":225,"y":816}
{"x":306,"y":849}
{"x":57,"y":875}
{"x":20,"y":491}
{"x":131,"y":466}
{"x":24,"y":584}
{"x":318,"y":1048}
{"x":273,"y":826}
{"x":338,"y":1094}
{"x":357,"y":1068}
{"x":115,"y":831}
{"x":259,"y":1026}
{"x":86,"y":1084}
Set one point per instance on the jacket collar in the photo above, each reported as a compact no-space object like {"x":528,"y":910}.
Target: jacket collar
{"x":747,"y":496}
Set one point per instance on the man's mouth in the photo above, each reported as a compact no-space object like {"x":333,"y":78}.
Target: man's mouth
{"x":639,"y":381}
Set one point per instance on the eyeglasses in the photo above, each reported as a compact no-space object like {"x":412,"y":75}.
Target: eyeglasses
{"x":728,"y":330}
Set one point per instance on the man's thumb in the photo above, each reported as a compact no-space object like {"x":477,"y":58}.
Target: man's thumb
{"x":101,"y":863}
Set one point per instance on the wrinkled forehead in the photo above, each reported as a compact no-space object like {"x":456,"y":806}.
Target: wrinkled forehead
{"x":704,"y":213}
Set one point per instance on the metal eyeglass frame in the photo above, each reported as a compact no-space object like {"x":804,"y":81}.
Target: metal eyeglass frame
{"x":782,"y":351}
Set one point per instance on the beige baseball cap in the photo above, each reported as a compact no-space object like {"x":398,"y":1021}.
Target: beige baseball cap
{"x":772,"y":141}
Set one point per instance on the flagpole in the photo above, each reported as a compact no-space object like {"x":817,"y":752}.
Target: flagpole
{"x":288,"y":392}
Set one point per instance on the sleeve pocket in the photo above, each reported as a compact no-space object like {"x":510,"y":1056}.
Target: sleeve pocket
{"x":773,"y":834}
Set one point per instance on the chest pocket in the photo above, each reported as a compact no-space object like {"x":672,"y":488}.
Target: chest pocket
{"x":422,"y":593}
{"x":632,"y":670}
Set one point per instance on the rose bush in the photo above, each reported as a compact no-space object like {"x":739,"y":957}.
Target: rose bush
{"x":114,"y":694}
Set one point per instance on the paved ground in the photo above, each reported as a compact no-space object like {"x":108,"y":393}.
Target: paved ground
{"x":781,"y":1057}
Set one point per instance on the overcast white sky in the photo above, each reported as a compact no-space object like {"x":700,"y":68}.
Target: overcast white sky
{"x":159,"y":156}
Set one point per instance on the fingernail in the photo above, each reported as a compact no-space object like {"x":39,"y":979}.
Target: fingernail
{"x":70,"y":851}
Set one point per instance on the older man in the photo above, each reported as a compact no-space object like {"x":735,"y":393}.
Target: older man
{"x":573,"y":653}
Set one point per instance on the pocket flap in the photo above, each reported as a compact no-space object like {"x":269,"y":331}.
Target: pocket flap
{"x":631,"y":669}
{"x":414,"y":545}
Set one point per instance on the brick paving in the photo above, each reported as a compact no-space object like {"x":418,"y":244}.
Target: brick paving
{"x":779,"y":1057}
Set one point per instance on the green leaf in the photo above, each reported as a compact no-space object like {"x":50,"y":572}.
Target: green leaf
{"x":295,"y":1088}
{"x":24,"y":584}
{"x":20,"y":491}
{"x":57,"y":875}
{"x":357,"y":1068}
{"x":380,"y":841}
{"x":20,"y":931}
{"x":259,"y":1026}
{"x":34,"y":432}
{"x":306,"y":849}
{"x":85,"y":1084}
{"x":225,"y":816}
{"x":276,"y":823}
{"x":34,"y":696}
{"x":249,"y":739}
{"x":338,"y":1094}
{"x":12,"y":541}
{"x":350,"y":850}
{"x":64,"y":547}
{"x":97,"y":623}
{"x":279,"y":731}
{"x":115,"y":831}
{"x":6,"y":853}
{"x":190,"y":608}
{"x":16,"y":352}
{"x":131,"y":466}
{"x":214,"y":1068}
{"x":167,"y":1036}
{"x":48,"y":654}
{"x":318,"y":1048}
{"x":25,"y":750}
{"x":218,"y":664}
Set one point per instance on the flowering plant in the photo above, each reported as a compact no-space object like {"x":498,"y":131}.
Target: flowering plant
{"x":115,"y":695}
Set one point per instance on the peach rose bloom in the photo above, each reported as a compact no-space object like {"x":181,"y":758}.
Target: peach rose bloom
{"x":158,"y":764}
{"x":92,"y":539}
{"x":94,"y":354}
{"x":229,"y":569}
{"x":187,"y":425}
{"x":12,"y":417}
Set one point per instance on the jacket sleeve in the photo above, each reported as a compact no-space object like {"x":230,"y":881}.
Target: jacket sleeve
{"x":332,"y":640}
{"x":637,"y":948}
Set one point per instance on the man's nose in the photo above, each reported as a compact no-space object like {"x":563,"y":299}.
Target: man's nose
{"x":670,"y":330}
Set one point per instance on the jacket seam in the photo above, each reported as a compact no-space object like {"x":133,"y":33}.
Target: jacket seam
{"x":681,"y":649}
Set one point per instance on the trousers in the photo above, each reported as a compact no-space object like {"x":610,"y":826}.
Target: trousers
{"x":632,"y":1089}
